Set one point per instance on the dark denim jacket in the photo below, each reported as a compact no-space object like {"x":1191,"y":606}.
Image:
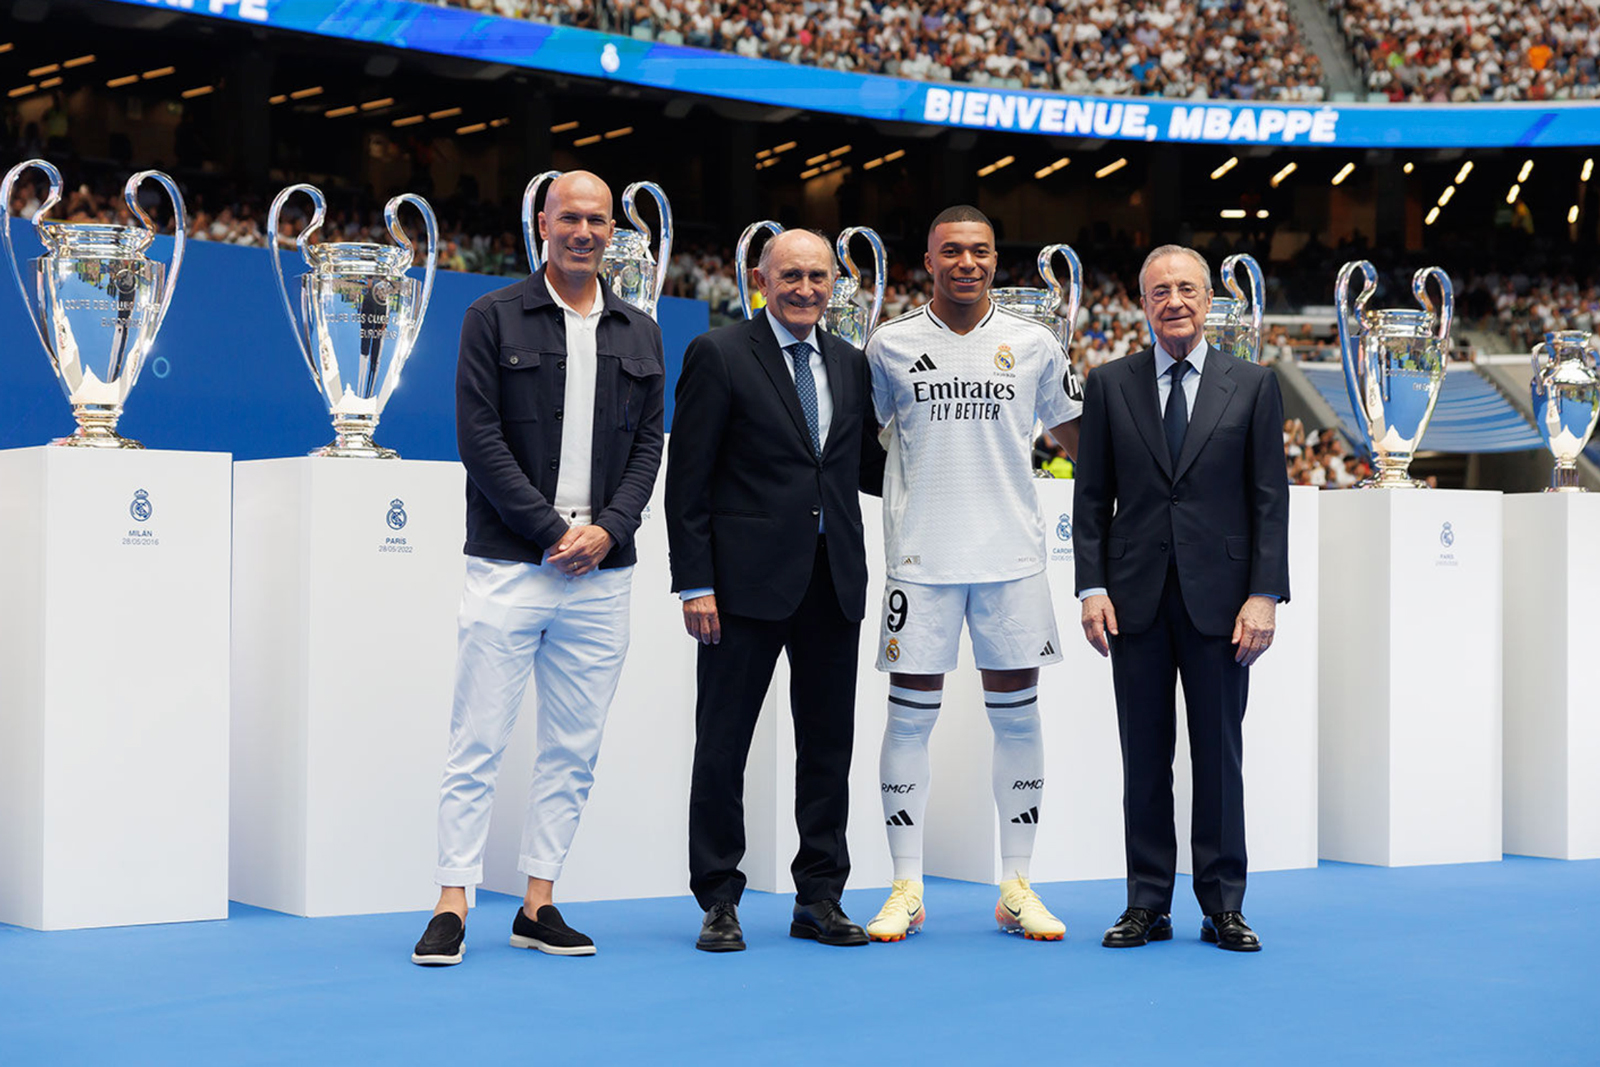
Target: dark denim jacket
{"x":511,"y":385}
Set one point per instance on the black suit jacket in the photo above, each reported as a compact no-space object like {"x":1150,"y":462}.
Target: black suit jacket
{"x":744,"y":489}
{"x":1221,"y":512}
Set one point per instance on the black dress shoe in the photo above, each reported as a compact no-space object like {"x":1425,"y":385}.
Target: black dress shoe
{"x":826,"y":922}
{"x":1227,"y":930}
{"x":1136,"y":926}
{"x":720,"y":931}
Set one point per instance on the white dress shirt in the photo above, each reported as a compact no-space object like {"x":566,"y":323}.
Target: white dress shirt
{"x":1191,"y":377}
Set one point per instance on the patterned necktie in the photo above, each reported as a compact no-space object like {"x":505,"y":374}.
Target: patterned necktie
{"x":806,"y":385}
{"x":1176,"y":417}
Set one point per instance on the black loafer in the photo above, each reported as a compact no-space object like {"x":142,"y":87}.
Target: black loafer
{"x":1228,"y":930}
{"x":826,"y":922}
{"x":720,"y":931}
{"x":549,"y":933}
{"x":441,"y":941}
{"x":1138,"y":926}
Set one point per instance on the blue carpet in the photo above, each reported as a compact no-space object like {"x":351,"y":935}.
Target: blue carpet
{"x":1486,"y":963}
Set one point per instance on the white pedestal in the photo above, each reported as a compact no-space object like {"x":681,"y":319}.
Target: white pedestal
{"x":113,"y":715}
{"x":1552,"y":712}
{"x":1081,"y":832}
{"x":344,"y":641}
{"x":1410,"y":680}
{"x":633,"y":840}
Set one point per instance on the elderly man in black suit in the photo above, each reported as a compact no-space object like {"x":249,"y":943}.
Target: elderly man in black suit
{"x":773,"y":432}
{"x":1180,"y":531}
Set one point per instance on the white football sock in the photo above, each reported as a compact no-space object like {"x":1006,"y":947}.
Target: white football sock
{"x":903,"y":774}
{"x":1018,"y":774}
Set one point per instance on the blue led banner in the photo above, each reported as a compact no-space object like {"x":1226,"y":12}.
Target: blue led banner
{"x":457,"y":32}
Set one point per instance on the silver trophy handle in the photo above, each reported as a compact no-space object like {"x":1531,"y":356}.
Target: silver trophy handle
{"x":320,"y":208}
{"x":1074,"y":287}
{"x":741,"y":261}
{"x":180,"y":228}
{"x":1258,"y":293}
{"x":430,"y":260}
{"x":1350,"y":337}
{"x":50,"y":200}
{"x":664,"y":250}
{"x":530,"y":219}
{"x":1445,"y":313}
{"x":880,"y":265}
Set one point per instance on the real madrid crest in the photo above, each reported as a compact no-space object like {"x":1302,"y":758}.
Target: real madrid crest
{"x":141,"y":509}
{"x":1064,"y":528}
{"x":1003,"y":358}
{"x":891,"y":651}
{"x":397,"y":515}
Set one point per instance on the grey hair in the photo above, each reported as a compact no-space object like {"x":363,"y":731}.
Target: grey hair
{"x":1175,"y":250}
{"x":764,"y":261}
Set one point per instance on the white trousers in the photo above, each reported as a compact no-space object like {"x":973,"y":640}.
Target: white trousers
{"x":572,"y":635}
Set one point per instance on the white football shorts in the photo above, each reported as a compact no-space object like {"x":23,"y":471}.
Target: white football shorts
{"x":1012,"y":625}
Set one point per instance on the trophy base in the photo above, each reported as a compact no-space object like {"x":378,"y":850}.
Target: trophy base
{"x":1376,"y":482}
{"x":344,"y":448}
{"x":1393,"y":472}
{"x":1564,"y":479}
{"x":96,"y":437}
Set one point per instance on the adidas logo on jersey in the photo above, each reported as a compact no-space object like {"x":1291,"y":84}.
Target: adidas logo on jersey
{"x":900,"y":818}
{"x":923,"y":364}
{"x":1049,"y":649}
{"x":1029,"y":817}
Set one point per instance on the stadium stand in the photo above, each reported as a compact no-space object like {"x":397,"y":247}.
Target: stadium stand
{"x":1463,"y":50}
{"x":1229,"y":49}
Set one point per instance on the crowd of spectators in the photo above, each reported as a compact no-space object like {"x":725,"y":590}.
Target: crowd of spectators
{"x":243,"y":222}
{"x":1463,"y":50}
{"x":1321,"y":458}
{"x":1521,"y":308}
{"x":1232,"y":49}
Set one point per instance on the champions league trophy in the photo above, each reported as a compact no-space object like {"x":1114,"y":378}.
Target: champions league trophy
{"x":1044,"y":305}
{"x":1394,"y":366}
{"x":101,"y":301}
{"x":1233,"y":325}
{"x":361,"y":315}
{"x":844,"y":317}
{"x":633,"y":272}
{"x":1566,"y":400}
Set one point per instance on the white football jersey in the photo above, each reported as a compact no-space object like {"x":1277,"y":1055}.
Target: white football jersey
{"x":958,"y":502}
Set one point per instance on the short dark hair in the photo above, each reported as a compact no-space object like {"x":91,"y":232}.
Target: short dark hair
{"x":959,"y":213}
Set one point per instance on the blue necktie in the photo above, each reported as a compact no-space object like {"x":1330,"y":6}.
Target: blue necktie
{"x":806,"y":385}
{"x":1176,"y":417}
